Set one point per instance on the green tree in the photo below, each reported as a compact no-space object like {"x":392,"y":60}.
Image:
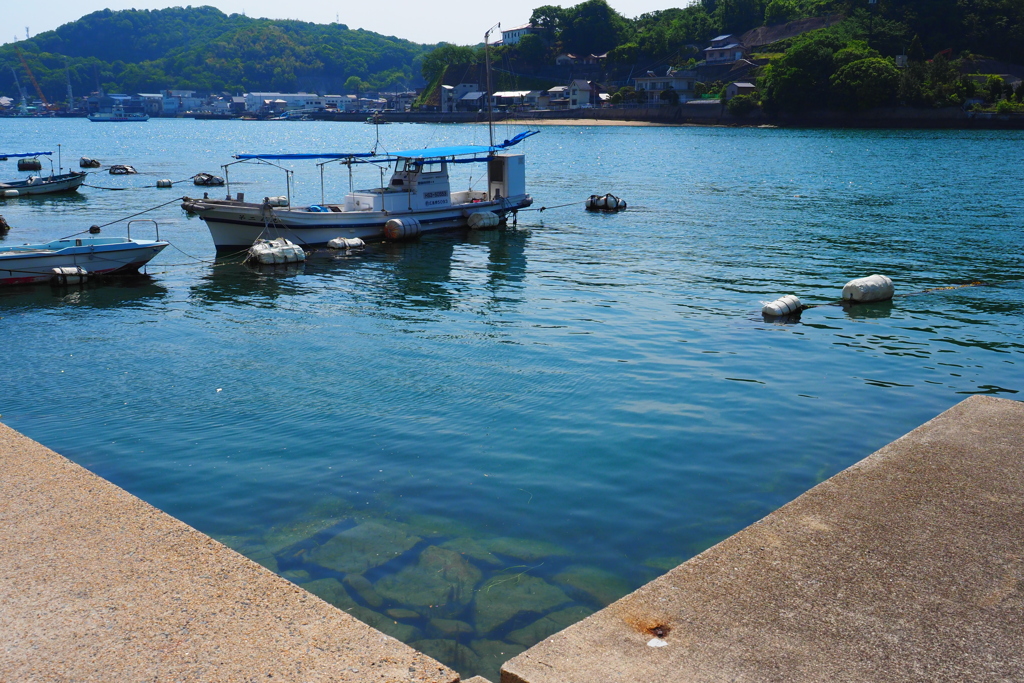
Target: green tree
{"x":592,"y":27}
{"x":866,"y":83}
{"x":741,"y":105}
{"x":354,"y":85}
{"x":446,"y":55}
{"x":669,"y":96}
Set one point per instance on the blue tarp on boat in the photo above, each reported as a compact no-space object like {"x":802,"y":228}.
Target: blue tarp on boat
{"x":27,"y":154}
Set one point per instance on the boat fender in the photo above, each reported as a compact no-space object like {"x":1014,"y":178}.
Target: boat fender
{"x":275,"y":251}
{"x":783,"y":306}
{"x":871,"y":288}
{"x":346,"y":243}
{"x":69,"y":275}
{"x":11,"y":193}
{"x":483,"y":219}
{"x":402,"y":229}
{"x":275,"y":201}
{"x":164,"y":182}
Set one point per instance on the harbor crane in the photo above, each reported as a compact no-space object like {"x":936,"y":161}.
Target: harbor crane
{"x":32,"y":77}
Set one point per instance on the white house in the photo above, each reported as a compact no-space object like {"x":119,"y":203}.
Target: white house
{"x":254,"y":101}
{"x":725,"y":49}
{"x":452,"y":95}
{"x":514,"y":35}
{"x":653,"y":85}
{"x":580,"y":94}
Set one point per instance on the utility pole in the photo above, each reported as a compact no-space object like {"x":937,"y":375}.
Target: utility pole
{"x":487,"y":66}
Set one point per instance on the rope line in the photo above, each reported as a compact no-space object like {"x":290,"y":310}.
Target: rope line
{"x":152,"y":208}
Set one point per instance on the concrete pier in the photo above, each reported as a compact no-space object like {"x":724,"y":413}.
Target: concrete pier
{"x":908,"y":566}
{"x":96,"y":585}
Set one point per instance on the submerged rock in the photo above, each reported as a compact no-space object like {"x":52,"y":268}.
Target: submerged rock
{"x":664,"y":563}
{"x":434,"y":526}
{"x":403,"y":632}
{"x":503,"y":597}
{"x":525,"y":549}
{"x":453,"y":654}
{"x":322,"y":516}
{"x":330,"y":590}
{"x":364,"y":589}
{"x":400,"y":613}
{"x":296,"y":575}
{"x":471,"y":548}
{"x":492,"y":654}
{"x":451,"y":627}
{"x":548,"y":626}
{"x":603,"y":586}
{"x":252,"y":548}
{"x":441,"y":577}
{"x":363,"y":547}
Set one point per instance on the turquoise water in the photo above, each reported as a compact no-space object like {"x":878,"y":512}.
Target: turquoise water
{"x":496,"y":433}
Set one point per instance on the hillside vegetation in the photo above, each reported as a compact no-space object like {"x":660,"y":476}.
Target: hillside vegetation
{"x":202,"y":48}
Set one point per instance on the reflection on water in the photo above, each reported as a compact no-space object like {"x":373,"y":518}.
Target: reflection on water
{"x":474,"y":440}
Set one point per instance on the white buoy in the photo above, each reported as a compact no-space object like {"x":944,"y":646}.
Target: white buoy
{"x":483,"y":219}
{"x":346,"y":243}
{"x":401,"y":229}
{"x":275,"y":251}
{"x":11,"y":193}
{"x":164,"y":182}
{"x":69,"y":275}
{"x":783,"y":306}
{"x":871,"y":288}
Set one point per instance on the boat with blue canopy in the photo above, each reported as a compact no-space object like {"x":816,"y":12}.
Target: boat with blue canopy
{"x":39,"y":184}
{"x":418,"y":198}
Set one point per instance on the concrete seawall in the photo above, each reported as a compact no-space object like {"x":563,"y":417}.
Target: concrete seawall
{"x":96,"y":585}
{"x":908,"y":566}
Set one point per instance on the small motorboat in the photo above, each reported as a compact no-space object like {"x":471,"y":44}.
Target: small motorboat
{"x":75,"y":259}
{"x":34,"y":184}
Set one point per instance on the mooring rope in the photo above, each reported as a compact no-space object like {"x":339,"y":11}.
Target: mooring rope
{"x":152,"y":208}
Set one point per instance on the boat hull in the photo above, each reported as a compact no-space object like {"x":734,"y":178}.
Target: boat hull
{"x":69,"y":182}
{"x":236,"y":225}
{"x":120,"y":258}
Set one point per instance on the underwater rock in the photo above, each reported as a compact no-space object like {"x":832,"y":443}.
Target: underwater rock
{"x":434,"y":526}
{"x":450,"y":627}
{"x":453,"y":654}
{"x":471,"y":548}
{"x":503,"y":597}
{"x":330,"y":590}
{"x":296,"y":575}
{"x":603,"y":586}
{"x":664,"y":563}
{"x":494,"y":653}
{"x":364,"y":589}
{"x":322,"y":516}
{"x":525,"y":549}
{"x":403,"y":632}
{"x":441,"y":577}
{"x":363,"y":547}
{"x":252,"y":548}
{"x":400,"y":613}
{"x":548,"y":626}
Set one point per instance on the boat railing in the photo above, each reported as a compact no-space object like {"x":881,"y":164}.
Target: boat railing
{"x":156,"y":226}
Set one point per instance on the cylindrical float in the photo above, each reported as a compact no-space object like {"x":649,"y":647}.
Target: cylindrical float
{"x":483,"y":219}
{"x":346,"y":243}
{"x":10,"y":193}
{"x":871,"y":288}
{"x":402,"y":229}
{"x":164,"y":182}
{"x":69,"y":275}
{"x":783,"y":306}
{"x":30,"y":165}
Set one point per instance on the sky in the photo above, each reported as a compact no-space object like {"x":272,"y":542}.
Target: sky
{"x":462,"y":22}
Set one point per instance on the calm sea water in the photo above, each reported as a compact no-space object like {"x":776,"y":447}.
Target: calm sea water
{"x":492,"y":434}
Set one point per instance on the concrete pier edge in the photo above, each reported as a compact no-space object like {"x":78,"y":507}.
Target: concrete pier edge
{"x":907,"y":566}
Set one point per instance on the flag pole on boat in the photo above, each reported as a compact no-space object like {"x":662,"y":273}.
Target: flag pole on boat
{"x":490,"y":98}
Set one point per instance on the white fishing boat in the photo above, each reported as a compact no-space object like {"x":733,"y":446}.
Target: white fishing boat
{"x":117,"y":114}
{"x":40,"y":184}
{"x":72,"y":260}
{"x":417,"y":198}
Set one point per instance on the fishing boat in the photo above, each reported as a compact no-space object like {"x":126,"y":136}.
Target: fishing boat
{"x":39,"y":184}
{"x":74,"y":259}
{"x":117,"y":114}
{"x":417,"y":198}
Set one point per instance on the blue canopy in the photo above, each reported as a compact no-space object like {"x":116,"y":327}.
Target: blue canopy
{"x":27,"y":154}
{"x":427,"y":153}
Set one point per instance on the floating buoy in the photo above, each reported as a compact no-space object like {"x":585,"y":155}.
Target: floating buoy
{"x":784,"y":306}
{"x":402,"y":229}
{"x":483,"y":219}
{"x":276,"y":251}
{"x":30,"y":165}
{"x":605,"y":202}
{"x":122,"y":169}
{"x":207,"y":179}
{"x":275,"y":201}
{"x":69,"y":275}
{"x":871,"y":288}
{"x":11,"y":193}
{"x":346,"y":243}
{"x":164,"y":182}
{"x":86,"y":162}
{"x":3,"y":224}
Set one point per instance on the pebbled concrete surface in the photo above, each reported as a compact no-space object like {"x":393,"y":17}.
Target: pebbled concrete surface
{"x":908,"y":566}
{"x":96,"y":585}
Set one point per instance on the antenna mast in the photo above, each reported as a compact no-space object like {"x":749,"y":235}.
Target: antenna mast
{"x":490,"y":98}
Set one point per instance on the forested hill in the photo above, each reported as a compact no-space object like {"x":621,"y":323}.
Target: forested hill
{"x":204,"y":49}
